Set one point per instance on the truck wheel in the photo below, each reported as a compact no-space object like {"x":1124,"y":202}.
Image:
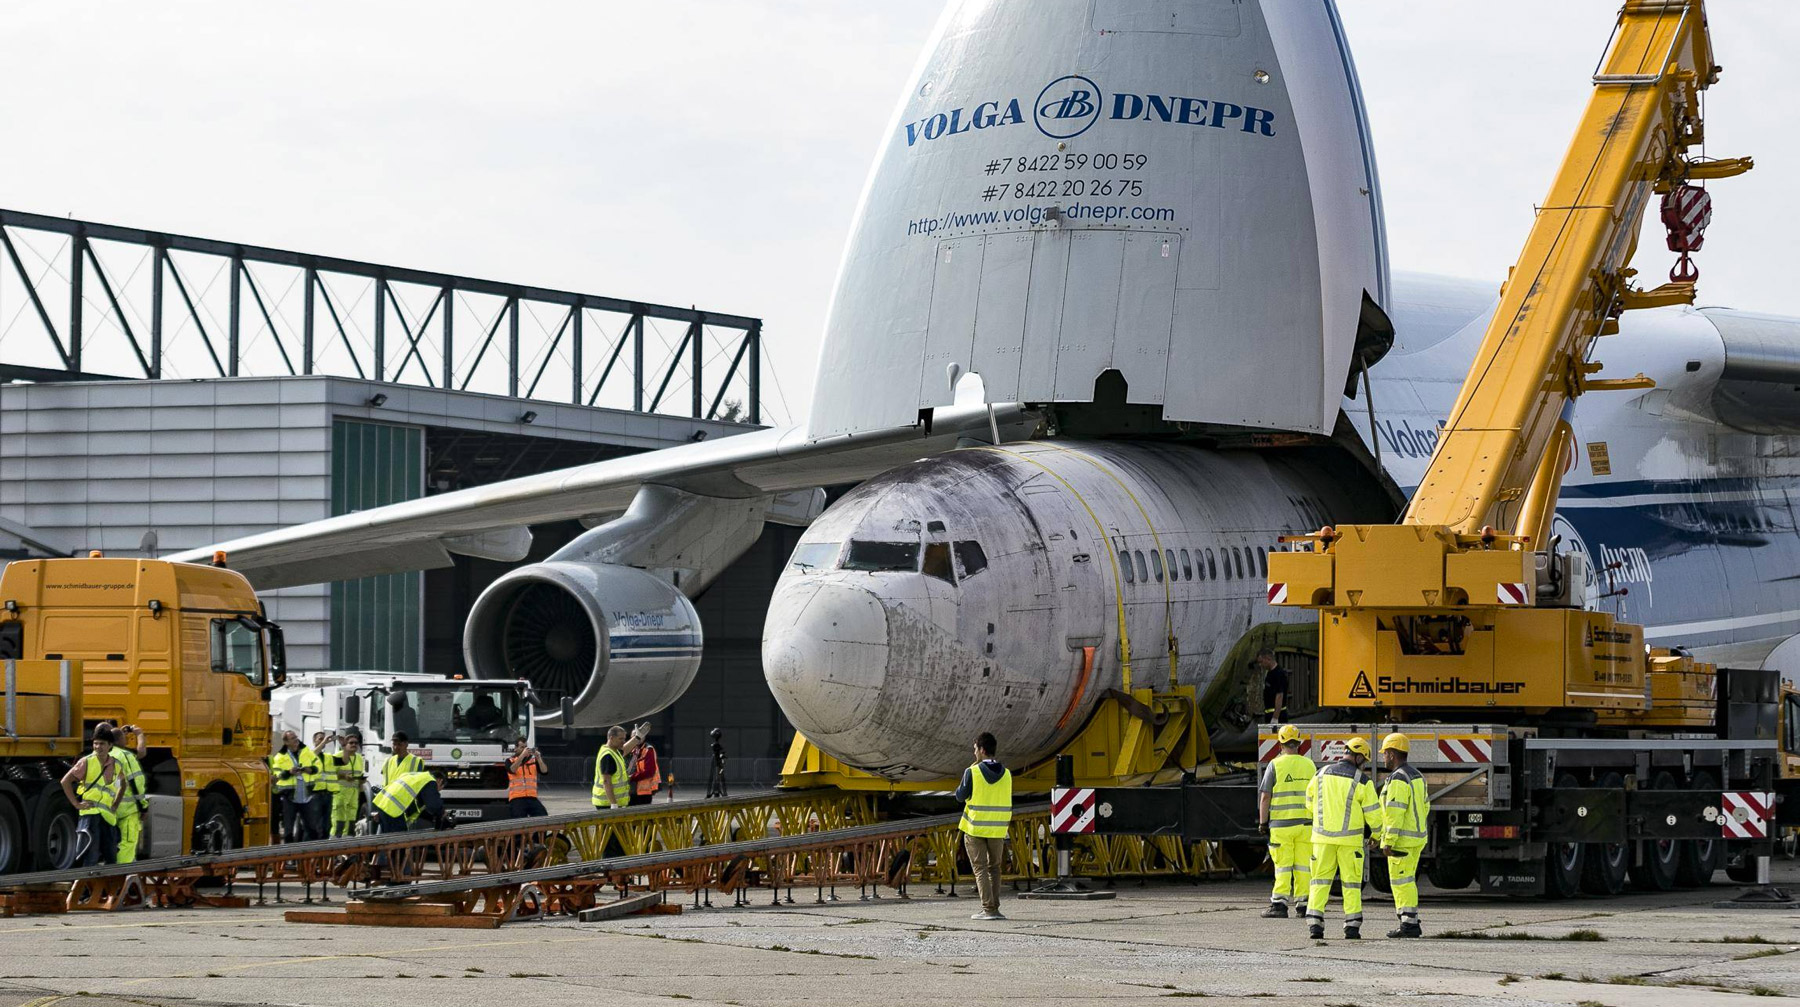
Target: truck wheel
{"x":54,"y":836}
{"x":1700,"y":859}
{"x":1451,"y":871}
{"x":12,"y":836}
{"x":217,"y":827}
{"x":1377,"y":873}
{"x":1657,"y":859}
{"x":1564,"y":863}
{"x":1743,"y":871}
{"x":1607,"y":863}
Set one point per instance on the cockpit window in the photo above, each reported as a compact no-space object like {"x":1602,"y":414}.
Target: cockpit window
{"x":937,"y":562}
{"x":880,"y":556}
{"x":811,"y":556}
{"x":970,"y":558}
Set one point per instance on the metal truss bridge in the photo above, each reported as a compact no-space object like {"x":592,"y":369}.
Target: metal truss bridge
{"x":87,"y":301}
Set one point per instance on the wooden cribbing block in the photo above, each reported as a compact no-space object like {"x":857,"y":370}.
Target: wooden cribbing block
{"x":393,"y":920}
{"x":402,"y":908}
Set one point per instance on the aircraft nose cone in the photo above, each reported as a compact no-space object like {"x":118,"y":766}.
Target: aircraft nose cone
{"x":825,"y":654}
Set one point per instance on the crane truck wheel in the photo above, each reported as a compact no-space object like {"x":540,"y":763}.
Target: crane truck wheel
{"x":1607,"y":863}
{"x":1657,"y":859}
{"x":1452,"y":870}
{"x":1700,"y":859}
{"x":12,"y":836}
{"x":217,"y":826}
{"x":1377,"y":873}
{"x":1564,"y":863}
{"x":53,"y":837}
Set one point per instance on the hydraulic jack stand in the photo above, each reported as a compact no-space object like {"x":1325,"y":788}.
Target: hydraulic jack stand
{"x":1065,"y":886}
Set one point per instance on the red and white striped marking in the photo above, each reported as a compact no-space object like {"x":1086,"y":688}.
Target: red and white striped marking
{"x":1513,"y":594}
{"x":1277,"y":593}
{"x":1744,"y":814}
{"x":1072,"y":809}
{"x":1466,"y":750}
{"x":1686,"y":212}
{"x":1269,"y":747}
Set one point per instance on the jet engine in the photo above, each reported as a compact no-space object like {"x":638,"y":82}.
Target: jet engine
{"x":615,"y":642}
{"x":604,"y":627}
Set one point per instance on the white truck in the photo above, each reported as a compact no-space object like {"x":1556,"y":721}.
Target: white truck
{"x":462,"y":729}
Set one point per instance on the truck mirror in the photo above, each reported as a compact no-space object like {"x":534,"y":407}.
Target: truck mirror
{"x":277,"y":654}
{"x":568,"y":712}
{"x":353,"y":709}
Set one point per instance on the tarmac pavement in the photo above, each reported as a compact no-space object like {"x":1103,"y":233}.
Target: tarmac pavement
{"x":1150,"y":944}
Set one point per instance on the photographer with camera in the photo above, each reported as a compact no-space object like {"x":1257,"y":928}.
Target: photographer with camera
{"x":522,"y":771}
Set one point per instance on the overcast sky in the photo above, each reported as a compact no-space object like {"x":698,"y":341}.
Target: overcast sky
{"x":711,"y":152}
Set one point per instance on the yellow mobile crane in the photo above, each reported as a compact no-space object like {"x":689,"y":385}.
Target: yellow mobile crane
{"x":1600,"y":758}
{"x":1445,"y":609}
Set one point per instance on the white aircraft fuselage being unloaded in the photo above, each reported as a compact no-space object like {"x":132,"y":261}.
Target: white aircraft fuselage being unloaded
{"x":1007,"y":589}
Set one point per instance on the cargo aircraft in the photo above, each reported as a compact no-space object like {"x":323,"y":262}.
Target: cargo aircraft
{"x":1143,"y":239}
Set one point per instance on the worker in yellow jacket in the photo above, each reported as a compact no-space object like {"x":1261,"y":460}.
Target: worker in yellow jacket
{"x":1281,"y":809}
{"x":1405,"y":815}
{"x":1343,"y":804}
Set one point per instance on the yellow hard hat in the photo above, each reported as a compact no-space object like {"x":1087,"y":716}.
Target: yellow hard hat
{"x":1287,"y":734}
{"x":1398,"y":742}
{"x":1359,"y":745}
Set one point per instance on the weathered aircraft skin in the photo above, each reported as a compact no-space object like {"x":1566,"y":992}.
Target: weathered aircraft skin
{"x":1001,"y":589}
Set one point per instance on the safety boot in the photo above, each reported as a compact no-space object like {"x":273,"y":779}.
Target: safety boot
{"x":1407,"y":929}
{"x":1316,"y":931}
{"x":1276,"y":911}
{"x":1353,"y":933}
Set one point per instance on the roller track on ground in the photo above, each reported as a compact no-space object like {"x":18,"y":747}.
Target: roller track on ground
{"x":215,"y":879}
{"x":865,"y":856}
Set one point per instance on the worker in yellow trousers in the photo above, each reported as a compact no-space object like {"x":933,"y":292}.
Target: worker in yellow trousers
{"x":1405,"y":813}
{"x":1281,"y":809}
{"x":1343,"y":803}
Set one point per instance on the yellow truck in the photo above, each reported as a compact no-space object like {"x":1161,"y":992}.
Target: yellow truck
{"x":183,"y":652}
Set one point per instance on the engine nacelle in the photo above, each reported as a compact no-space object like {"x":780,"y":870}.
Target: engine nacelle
{"x":616,"y":641}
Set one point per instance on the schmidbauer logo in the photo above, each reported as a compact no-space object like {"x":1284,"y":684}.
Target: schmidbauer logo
{"x":1067,"y":107}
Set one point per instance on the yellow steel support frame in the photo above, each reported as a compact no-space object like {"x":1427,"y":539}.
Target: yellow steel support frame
{"x":1135,"y":737}
{"x":1438,"y":611}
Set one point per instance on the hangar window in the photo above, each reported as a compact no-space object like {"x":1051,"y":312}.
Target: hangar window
{"x":1143,"y":571}
{"x":880,"y":556}
{"x":1187,"y":568}
{"x":937,"y":562}
{"x":814,"y":555}
{"x":970,"y":559}
{"x":1156,"y":564}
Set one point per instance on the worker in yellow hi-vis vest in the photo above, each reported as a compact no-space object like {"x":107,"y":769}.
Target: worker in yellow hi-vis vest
{"x":1405,"y":820}
{"x":1281,"y":808}
{"x":1343,"y":804}
{"x":986,"y":793}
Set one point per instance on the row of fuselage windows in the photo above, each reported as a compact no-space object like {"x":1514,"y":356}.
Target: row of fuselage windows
{"x":1228,"y":563}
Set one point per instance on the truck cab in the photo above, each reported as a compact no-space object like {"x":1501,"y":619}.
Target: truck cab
{"x":463,"y":730}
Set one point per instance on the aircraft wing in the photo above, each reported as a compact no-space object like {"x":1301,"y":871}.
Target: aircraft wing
{"x":489,"y":520}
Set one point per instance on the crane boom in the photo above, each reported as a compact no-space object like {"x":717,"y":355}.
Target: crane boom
{"x":1456,"y":605}
{"x":1570,"y":278}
